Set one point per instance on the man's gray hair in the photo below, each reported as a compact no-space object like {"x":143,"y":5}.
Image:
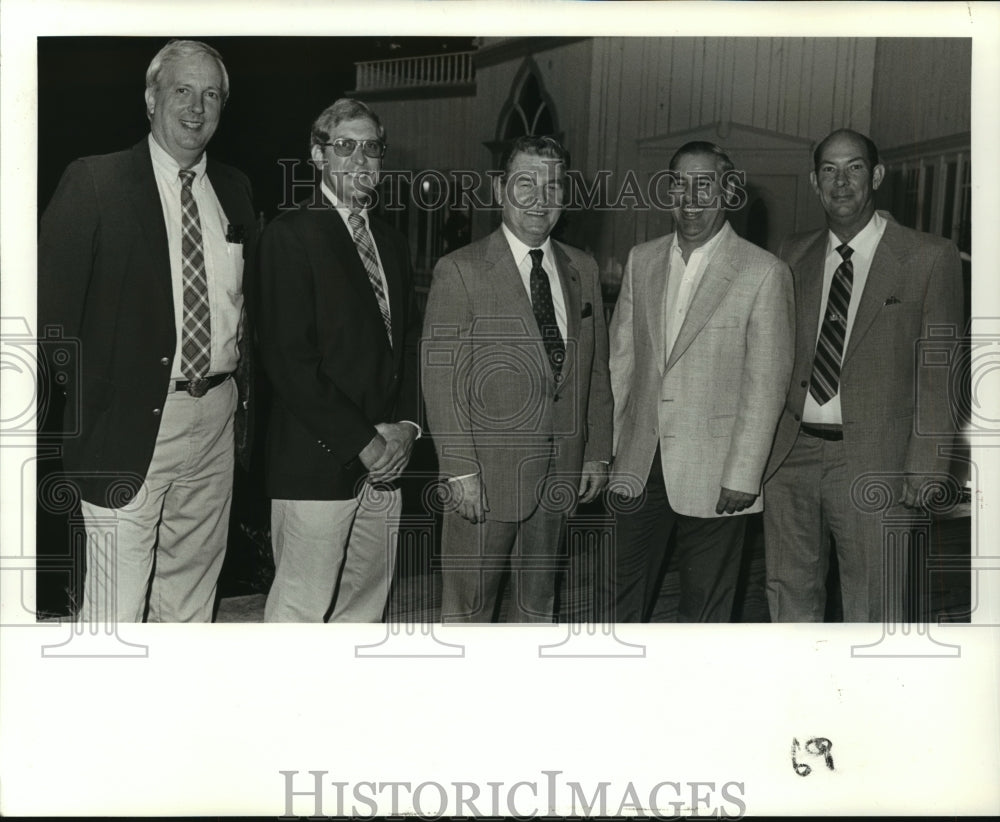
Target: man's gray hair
{"x":339,"y":112}
{"x":177,"y":50}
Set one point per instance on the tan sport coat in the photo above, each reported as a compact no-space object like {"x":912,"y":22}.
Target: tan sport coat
{"x":713,"y":405}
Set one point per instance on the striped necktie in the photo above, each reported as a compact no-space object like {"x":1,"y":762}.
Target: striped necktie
{"x":196,"y":337}
{"x":366,"y":249}
{"x":830,"y":347}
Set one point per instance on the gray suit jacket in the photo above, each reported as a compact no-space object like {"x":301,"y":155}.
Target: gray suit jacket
{"x":713,"y":406}
{"x":915,"y":282}
{"x":493,"y":404}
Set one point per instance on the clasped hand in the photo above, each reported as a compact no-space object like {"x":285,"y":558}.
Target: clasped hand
{"x":389,"y":451}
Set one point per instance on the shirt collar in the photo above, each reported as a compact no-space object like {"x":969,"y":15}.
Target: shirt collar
{"x":169,"y":166}
{"x":520,"y":250}
{"x":345,"y":212}
{"x":863,"y":243}
{"x":707,"y":248}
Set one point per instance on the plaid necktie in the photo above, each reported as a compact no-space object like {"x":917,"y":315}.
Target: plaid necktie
{"x":545,"y":312}
{"x":196,"y":339}
{"x":830,"y":347}
{"x":366,"y":248}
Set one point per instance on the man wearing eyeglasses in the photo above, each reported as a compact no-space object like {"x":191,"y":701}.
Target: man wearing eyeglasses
{"x":141,"y":259}
{"x":337,"y":341}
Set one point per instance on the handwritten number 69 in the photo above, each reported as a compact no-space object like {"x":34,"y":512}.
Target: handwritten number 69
{"x":817,"y":746}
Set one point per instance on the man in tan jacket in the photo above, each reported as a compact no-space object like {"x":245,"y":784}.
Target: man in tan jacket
{"x":701,"y":353}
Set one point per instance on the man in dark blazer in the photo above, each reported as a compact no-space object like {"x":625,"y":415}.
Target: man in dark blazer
{"x":338,"y":342}
{"x":515,"y":377}
{"x":140,"y":258}
{"x":867,"y":292}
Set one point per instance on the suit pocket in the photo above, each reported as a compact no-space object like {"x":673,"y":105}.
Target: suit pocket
{"x":721,"y":426}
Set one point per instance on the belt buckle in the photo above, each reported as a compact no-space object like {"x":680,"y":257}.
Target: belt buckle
{"x":198,"y":387}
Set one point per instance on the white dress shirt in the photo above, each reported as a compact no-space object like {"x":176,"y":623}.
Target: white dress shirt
{"x":682,"y":282}
{"x":223,"y":260}
{"x":863,"y":245}
{"x":522,"y":259}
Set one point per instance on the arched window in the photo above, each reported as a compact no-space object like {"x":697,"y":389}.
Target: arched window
{"x":528,"y":111}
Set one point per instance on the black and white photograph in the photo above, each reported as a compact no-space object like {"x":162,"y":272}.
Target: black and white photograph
{"x":486,"y":359}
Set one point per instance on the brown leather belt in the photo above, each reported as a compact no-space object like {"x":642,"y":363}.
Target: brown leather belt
{"x":200,"y":386}
{"x":833,"y":433}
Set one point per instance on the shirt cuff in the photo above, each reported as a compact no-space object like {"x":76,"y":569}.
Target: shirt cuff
{"x":420,"y":431}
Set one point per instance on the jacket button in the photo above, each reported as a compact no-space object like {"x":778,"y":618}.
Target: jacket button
{"x":156,"y":412}
{"x":164,"y":360}
{"x":555,"y":398}
{"x":798,"y":417}
{"x":804,"y":383}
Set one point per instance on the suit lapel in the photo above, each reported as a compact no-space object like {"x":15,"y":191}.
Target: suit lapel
{"x":226,"y":192}
{"x":808,"y":278}
{"x":716,"y":280}
{"x":394,"y":273}
{"x":345,"y":255}
{"x":507,"y":280}
{"x":654,"y":298}
{"x":144,"y":195}
{"x":882,"y":280}
{"x":569,"y":278}
{"x":509,"y":288}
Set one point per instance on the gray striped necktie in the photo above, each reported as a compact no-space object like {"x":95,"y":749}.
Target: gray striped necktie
{"x":830,"y":347}
{"x":196,"y":337}
{"x":366,"y":248}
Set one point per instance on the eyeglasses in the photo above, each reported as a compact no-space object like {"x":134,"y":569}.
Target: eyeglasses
{"x":346,"y":146}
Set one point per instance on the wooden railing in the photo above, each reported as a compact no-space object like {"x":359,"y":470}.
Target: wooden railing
{"x":451,"y":69}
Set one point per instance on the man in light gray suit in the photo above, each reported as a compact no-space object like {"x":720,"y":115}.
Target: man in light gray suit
{"x":867,"y":291}
{"x":700,"y":359}
{"x":515,"y":378}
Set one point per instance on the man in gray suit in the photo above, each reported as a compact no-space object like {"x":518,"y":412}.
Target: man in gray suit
{"x":515,"y":379}
{"x":867,"y":291}
{"x":700,"y":361}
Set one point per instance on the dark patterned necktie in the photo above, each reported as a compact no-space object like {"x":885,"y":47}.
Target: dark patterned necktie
{"x":830,"y":347}
{"x":545,"y":312}
{"x":196,"y":337}
{"x":366,"y":248}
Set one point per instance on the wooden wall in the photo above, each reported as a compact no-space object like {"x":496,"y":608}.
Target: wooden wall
{"x":922,"y":90}
{"x":625,"y":102}
{"x":643,"y":88}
